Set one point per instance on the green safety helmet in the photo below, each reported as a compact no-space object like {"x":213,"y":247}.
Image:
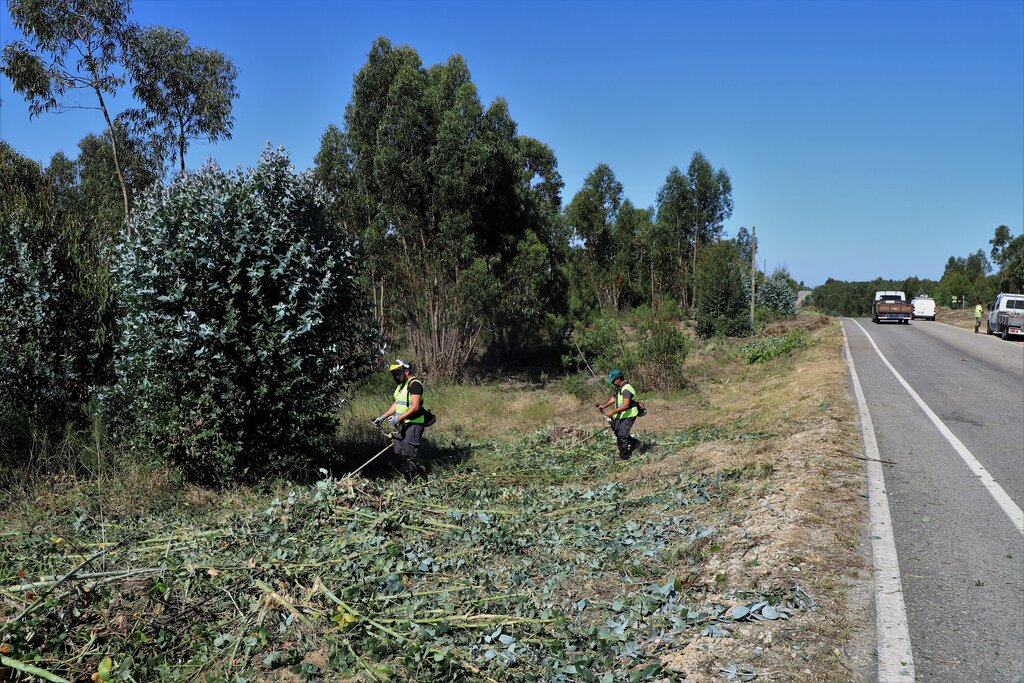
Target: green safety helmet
{"x":614,"y":375}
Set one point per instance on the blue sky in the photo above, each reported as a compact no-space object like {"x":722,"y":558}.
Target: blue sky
{"x":863,"y":139}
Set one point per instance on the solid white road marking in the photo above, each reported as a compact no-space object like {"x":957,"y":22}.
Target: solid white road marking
{"x":1004,"y":501}
{"x":895,"y":659}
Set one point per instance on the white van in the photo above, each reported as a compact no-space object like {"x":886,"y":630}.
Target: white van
{"x":924,"y":307}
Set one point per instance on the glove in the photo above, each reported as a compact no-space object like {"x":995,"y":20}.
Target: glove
{"x":393,"y":420}
{"x":378,"y":420}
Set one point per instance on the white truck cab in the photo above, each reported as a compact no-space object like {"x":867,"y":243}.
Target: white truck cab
{"x":924,"y":307}
{"x":1006,"y":316}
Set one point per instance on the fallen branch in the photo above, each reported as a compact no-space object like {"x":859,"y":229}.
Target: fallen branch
{"x":861,"y":457}
{"x":67,"y":577}
{"x":32,"y":670}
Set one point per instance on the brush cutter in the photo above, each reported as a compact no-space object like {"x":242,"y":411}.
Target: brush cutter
{"x":388,"y":437}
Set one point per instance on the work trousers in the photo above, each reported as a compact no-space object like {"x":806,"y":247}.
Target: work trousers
{"x":407,"y":446}
{"x":625,"y":442}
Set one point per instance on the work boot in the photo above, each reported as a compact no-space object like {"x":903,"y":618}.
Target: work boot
{"x":411,"y":475}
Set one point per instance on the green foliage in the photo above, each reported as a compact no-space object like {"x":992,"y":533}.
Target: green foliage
{"x":1008,"y":254}
{"x":775,"y":293}
{"x":48,"y":358}
{"x":186,"y":91}
{"x":591,"y":215}
{"x":444,"y":195}
{"x":241,"y":323}
{"x":54,"y":306}
{"x":723,"y":307}
{"x":649,"y":349}
{"x":97,"y":192}
{"x":692,"y":210}
{"x":766,"y":348}
{"x":73,"y":45}
{"x":87,"y":34}
{"x":1012,"y":275}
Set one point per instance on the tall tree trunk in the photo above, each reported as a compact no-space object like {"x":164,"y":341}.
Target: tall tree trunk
{"x":181,"y":145}
{"x":113,"y":147}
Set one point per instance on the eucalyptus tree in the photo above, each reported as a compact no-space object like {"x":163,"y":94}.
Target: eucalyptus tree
{"x":53,"y":313}
{"x":528,"y":318}
{"x":437,"y":177}
{"x":1000,"y":239}
{"x":186,"y":91}
{"x":722,"y":301}
{"x":631,"y":255}
{"x":675,"y":232}
{"x":711,"y":200}
{"x":591,"y":215}
{"x":97,"y":179}
{"x":70,"y":46}
{"x":1008,"y":254}
{"x":746,"y":244}
{"x":692,"y":210}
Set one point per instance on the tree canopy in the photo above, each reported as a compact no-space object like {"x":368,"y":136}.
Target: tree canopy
{"x":186,"y":91}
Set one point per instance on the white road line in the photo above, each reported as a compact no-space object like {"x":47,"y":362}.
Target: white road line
{"x":1004,"y":501}
{"x":895,"y":660}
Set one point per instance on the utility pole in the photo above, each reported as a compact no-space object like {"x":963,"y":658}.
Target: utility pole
{"x":753,"y":270}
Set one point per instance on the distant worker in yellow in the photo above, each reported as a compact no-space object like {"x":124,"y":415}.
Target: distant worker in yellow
{"x":626,"y":411}
{"x":977,"y":317}
{"x":408,"y":415}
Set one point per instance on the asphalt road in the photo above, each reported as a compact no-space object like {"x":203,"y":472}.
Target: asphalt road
{"x":961,"y":558}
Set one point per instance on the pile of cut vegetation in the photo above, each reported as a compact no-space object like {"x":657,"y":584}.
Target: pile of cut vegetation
{"x":524,"y":561}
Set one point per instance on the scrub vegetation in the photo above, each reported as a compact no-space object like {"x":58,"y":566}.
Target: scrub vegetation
{"x":528,"y":555}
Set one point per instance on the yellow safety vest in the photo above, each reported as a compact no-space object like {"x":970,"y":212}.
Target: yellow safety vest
{"x":633,"y":411}
{"x":402,"y":402}
{"x":977,"y":311}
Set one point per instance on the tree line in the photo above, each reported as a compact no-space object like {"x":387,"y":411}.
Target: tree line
{"x":971,"y":279}
{"x":216,"y":318}
{"x":466,"y":243}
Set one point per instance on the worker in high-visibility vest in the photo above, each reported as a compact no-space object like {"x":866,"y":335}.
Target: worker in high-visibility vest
{"x":977,"y":317}
{"x":626,"y":410}
{"x":407,"y":415}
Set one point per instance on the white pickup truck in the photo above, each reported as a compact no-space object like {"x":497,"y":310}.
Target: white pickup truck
{"x":924,"y":307}
{"x":1006,"y":316}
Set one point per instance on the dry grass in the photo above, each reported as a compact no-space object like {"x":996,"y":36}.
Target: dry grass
{"x":798,"y":520}
{"x":960,"y":317}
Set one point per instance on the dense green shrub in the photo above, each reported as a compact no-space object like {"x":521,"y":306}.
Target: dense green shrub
{"x":774,"y":293}
{"x":241,"y":323}
{"x":722,"y":306}
{"x":767,"y":348}
{"x":647,"y":348}
{"x":48,"y":358}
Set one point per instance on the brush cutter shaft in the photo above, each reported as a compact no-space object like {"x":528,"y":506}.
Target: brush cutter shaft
{"x":386,"y":449}
{"x":584,"y":440}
